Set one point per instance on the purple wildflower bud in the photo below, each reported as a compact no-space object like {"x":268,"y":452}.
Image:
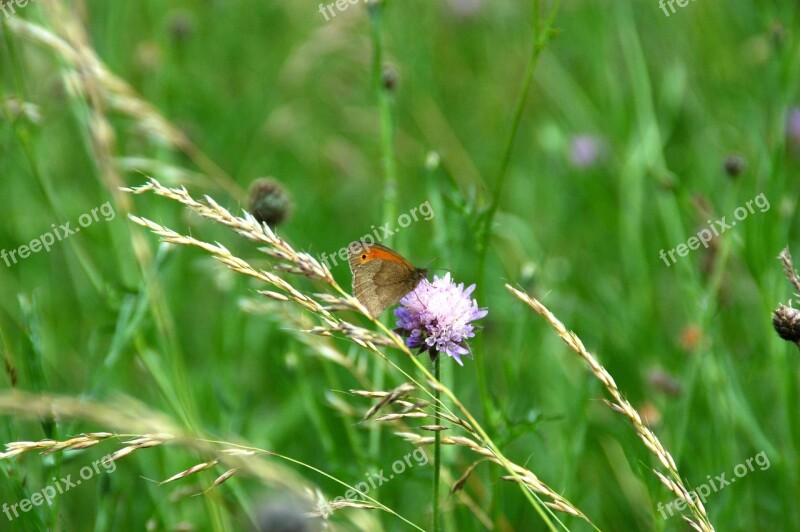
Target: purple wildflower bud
{"x":585,"y":151}
{"x":793,"y":129}
{"x":465,"y":8}
{"x":436,"y":317}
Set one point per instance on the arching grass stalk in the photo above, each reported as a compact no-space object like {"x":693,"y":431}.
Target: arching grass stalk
{"x":672,"y":479}
{"x":151,"y":429}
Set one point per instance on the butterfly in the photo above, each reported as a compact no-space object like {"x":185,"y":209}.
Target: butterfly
{"x":381,"y":277}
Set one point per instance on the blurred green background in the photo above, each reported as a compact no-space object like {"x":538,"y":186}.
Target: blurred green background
{"x":623,"y":149}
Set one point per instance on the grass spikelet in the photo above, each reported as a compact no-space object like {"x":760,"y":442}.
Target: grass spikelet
{"x":191,"y":471}
{"x":386,"y":398}
{"x":220,"y":479}
{"x":619,"y":404}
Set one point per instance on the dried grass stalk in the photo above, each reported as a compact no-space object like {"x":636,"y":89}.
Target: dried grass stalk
{"x":673,"y":480}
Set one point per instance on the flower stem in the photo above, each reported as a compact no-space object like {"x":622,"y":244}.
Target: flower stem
{"x":437,"y":449}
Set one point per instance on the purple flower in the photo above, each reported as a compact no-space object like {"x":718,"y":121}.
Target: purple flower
{"x":793,"y":128}
{"x":436,"y":317}
{"x":585,"y":151}
{"x":465,"y":8}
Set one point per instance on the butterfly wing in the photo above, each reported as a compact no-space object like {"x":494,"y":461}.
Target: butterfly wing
{"x":380,"y":276}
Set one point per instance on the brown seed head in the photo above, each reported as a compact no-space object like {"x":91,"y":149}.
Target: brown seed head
{"x":786,"y":321}
{"x":269,"y":201}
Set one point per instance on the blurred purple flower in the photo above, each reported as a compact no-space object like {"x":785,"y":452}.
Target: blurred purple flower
{"x":465,"y":8}
{"x":793,"y":129}
{"x":585,"y":150}
{"x":436,"y":317}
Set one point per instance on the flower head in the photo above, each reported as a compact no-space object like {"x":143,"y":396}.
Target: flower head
{"x":734,"y":164}
{"x":793,"y":130}
{"x":786,"y":321}
{"x":436,"y":317}
{"x":269,"y":201}
{"x":465,"y":8}
{"x":586,"y":151}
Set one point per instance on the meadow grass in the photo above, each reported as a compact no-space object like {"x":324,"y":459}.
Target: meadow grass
{"x":230,"y":376}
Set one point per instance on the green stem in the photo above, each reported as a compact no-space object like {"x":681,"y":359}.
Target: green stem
{"x":386,"y":110}
{"x":542,"y":34}
{"x":387,"y":129}
{"x":437,"y":450}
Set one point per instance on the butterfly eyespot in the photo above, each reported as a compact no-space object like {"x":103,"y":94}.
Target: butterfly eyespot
{"x":363,"y":257}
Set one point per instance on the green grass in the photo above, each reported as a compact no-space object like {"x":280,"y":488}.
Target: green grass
{"x":273,"y":89}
